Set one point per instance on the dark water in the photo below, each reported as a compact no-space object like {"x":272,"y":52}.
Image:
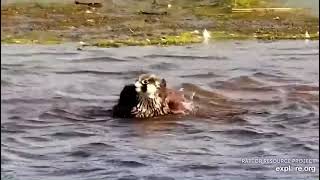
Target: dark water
{"x":256,"y":100}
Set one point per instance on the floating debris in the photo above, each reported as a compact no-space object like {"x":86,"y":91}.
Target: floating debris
{"x":82,"y":43}
{"x":169,"y":6}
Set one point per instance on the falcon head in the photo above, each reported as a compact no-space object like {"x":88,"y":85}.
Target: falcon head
{"x":149,"y":97}
{"x":148,"y":85}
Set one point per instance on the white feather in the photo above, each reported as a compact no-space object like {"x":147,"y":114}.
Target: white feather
{"x":151,"y":90}
{"x":137,"y":84}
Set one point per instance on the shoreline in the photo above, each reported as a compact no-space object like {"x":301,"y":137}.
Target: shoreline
{"x":54,"y":23}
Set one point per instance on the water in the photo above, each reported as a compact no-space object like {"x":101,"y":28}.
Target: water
{"x":256,"y":100}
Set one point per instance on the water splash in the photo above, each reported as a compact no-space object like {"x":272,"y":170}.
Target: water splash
{"x":206,"y":36}
{"x":307,"y":35}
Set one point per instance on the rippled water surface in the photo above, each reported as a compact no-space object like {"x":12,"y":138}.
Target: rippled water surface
{"x":255,"y":99}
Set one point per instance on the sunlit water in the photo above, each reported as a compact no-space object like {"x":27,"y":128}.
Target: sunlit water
{"x":56,"y":123}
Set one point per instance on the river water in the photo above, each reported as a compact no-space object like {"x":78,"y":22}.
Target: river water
{"x":256,"y":100}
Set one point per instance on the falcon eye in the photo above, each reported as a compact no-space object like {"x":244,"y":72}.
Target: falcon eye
{"x":144,"y":81}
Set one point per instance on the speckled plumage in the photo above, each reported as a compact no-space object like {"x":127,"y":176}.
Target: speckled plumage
{"x":150,"y":107}
{"x":149,"y":97}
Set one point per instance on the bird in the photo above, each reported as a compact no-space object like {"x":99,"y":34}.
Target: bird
{"x":150,"y":97}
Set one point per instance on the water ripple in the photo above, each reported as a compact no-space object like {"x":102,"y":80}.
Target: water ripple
{"x":56,"y":118}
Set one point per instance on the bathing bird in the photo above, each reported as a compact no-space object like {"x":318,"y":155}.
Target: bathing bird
{"x":149,"y":97}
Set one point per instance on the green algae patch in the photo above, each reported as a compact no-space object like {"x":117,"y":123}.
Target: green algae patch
{"x":33,"y":37}
{"x":208,"y":11}
{"x":118,"y":43}
{"x":223,"y":35}
{"x":28,"y":41}
{"x":182,"y":39}
{"x":251,"y":3}
{"x":284,"y":36}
